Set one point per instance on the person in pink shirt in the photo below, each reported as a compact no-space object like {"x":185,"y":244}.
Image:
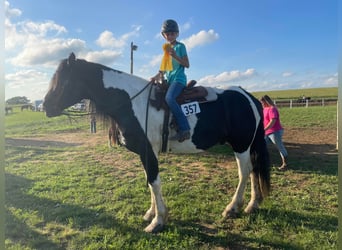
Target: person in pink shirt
{"x":273,"y":129}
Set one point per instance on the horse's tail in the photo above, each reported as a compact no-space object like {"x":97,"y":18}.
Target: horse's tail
{"x":261,"y":161}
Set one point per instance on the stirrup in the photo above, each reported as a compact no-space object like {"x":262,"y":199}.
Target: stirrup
{"x":181,"y":136}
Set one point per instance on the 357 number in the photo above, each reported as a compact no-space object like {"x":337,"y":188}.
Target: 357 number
{"x":190,"y":108}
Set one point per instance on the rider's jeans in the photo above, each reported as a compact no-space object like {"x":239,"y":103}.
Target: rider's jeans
{"x":172,"y":93}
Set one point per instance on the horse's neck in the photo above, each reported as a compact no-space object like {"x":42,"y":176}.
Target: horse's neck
{"x":131,"y":84}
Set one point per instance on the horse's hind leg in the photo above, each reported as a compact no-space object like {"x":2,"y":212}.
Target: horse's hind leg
{"x":244,"y":168}
{"x":256,"y":196}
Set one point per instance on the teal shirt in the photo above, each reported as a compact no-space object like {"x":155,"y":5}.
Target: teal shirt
{"x":178,"y":72}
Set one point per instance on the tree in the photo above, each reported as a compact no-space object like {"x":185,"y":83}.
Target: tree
{"x":18,"y":100}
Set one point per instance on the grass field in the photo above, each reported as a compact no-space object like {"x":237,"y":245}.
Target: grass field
{"x":314,"y":93}
{"x":65,"y":189}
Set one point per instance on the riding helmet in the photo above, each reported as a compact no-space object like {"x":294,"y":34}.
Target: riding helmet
{"x":169,"y":25}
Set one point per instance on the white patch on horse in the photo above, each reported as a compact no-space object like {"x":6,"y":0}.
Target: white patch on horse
{"x":186,"y":146}
{"x":121,"y":80}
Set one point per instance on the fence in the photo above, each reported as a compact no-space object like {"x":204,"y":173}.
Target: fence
{"x":306,"y":102}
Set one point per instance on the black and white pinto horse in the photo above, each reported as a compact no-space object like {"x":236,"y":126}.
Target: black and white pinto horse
{"x":234,"y":118}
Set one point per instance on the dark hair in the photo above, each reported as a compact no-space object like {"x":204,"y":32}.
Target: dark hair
{"x":268,"y":100}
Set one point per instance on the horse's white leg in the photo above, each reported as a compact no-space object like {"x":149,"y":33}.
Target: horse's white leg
{"x":244,"y":164}
{"x":160,"y":217}
{"x":256,"y":197}
{"x":151,"y":212}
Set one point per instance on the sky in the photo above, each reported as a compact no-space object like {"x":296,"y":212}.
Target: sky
{"x":259,"y":45}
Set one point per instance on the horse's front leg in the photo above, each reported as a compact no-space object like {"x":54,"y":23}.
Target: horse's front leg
{"x":151,"y":212}
{"x":244,"y":167}
{"x":157,"y":212}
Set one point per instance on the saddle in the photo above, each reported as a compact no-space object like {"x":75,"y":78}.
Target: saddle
{"x":189,"y":94}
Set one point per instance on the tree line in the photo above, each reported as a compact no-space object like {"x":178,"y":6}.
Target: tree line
{"x":18,"y":100}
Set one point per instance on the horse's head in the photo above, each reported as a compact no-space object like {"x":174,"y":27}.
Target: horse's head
{"x":65,"y":87}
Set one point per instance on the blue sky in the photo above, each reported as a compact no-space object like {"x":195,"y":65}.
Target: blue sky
{"x":260,"y":45}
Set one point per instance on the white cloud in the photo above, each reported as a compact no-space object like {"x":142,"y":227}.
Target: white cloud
{"x":46,"y":51}
{"x":29,"y":44}
{"x":11,"y":12}
{"x":16,"y":80}
{"x":105,"y":57}
{"x":42,"y":29}
{"x":227,"y":77}
{"x":107,"y":39}
{"x":186,"y":26}
{"x":201,"y":38}
{"x":156,"y":60}
{"x":33,"y":81}
{"x":331,"y":80}
{"x":287,"y":74}
{"x":22,"y":33}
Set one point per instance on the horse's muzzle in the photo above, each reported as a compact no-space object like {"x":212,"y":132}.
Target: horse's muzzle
{"x":51,"y":111}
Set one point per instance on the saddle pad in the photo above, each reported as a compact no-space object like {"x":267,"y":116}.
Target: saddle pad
{"x":212,"y":95}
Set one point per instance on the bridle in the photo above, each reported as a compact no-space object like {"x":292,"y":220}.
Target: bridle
{"x":71,"y":114}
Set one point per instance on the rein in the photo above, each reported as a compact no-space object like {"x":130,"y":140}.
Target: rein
{"x":142,"y":90}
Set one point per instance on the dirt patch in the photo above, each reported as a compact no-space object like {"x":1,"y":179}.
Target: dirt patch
{"x":316,"y":136}
{"x":311,"y":141}
{"x":59,"y":140}
{"x":298,"y":141}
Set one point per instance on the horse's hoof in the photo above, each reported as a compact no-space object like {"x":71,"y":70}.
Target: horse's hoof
{"x":229,"y":214}
{"x":251,"y":209}
{"x":154,"y":228}
{"x":148,"y":216}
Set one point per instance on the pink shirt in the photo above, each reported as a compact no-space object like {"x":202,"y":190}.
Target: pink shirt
{"x":269,"y":114}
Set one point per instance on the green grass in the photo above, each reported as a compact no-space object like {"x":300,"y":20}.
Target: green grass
{"x":23,"y":123}
{"x":319,"y":117}
{"x":314,"y":93}
{"x":66,"y":197}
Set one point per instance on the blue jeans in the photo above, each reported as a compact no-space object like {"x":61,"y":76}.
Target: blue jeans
{"x":172,"y":93}
{"x":277,"y":139}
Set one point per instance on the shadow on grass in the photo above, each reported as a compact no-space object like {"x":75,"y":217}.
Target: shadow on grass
{"x":318,"y":158}
{"x":213,"y":239}
{"x":223,"y":235}
{"x":38,"y":143}
{"x":26,"y":149}
{"x":51,"y":211}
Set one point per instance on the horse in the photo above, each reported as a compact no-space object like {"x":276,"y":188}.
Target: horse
{"x":303,"y":99}
{"x":235,"y":117}
{"x":8,"y":109}
{"x":27,"y":107}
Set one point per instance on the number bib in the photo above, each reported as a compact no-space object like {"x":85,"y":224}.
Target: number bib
{"x":190,"y":108}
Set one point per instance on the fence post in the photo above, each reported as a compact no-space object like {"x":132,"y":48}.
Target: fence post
{"x":291,"y":104}
{"x":306,"y":103}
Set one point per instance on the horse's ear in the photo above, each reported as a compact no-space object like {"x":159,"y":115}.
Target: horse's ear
{"x":72,"y":58}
